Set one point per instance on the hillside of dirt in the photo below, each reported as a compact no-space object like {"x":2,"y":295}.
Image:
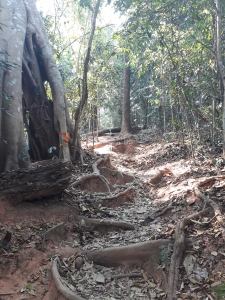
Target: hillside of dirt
{"x":141,"y":219}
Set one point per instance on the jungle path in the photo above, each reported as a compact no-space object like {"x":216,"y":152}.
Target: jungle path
{"x":140,"y":220}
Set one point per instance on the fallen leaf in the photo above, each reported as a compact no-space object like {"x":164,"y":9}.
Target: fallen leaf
{"x":189,"y":262}
{"x":100,"y":278}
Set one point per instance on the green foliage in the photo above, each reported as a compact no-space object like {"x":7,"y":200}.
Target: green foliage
{"x":86,"y":4}
{"x":172,"y":59}
{"x":220,"y":291}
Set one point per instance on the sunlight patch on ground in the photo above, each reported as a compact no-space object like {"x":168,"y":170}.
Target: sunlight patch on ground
{"x":104,"y":150}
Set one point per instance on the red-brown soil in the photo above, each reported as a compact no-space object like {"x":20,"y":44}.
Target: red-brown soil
{"x":154,"y":211}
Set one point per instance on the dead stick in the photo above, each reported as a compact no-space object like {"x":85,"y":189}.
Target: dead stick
{"x":10,"y":293}
{"x":178,"y":249}
{"x":130,"y":275}
{"x":95,"y":223}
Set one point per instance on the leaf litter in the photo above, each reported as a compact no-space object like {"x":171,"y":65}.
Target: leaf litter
{"x":203,"y":261}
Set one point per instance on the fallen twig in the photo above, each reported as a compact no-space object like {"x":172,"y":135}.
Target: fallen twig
{"x":10,"y":293}
{"x":105,"y":225}
{"x":130,"y":275}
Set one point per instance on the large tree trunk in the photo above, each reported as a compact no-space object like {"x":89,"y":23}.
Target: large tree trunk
{"x":46,"y":121}
{"x":13,"y":18}
{"x":126,"y":127}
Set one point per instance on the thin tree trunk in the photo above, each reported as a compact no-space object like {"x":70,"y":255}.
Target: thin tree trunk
{"x":81,"y":44}
{"x":213,"y":123}
{"x":147,"y":115}
{"x":126,"y":127}
{"x":164,"y":114}
{"x":172,"y":115}
{"x":189,"y":131}
{"x":220,"y":60}
{"x":84,"y":97}
{"x":163,"y":101}
{"x":160,"y":117}
{"x":96,"y":125}
{"x":3,"y":58}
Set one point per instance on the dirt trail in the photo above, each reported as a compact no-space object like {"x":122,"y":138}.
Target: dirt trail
{"x":127,"y":229}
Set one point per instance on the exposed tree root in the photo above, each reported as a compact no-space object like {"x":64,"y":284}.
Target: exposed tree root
{"x":102,"y":180}
{"x":146,"y":254}
{"x":65,"y":291}
{"x":103,"y":162}
{"x":165,"y":210}
{"x":207,"y":180}
{"x":178,"y":249}
{"x":92,"y":182}
{"x":105,"y":226}
{"x":211,"y":179}
{"x":118,"y":199}
{"x":114,"y":177}
{"x":211,"y":203}
{"x":96,"y":164}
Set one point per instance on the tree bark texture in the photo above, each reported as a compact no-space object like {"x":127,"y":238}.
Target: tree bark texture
{"x":46,"y":178}
{"x":3,"y":46}
{"x":12,"y":36}
{"x":126,"y":127}
{"x":24,"y":100}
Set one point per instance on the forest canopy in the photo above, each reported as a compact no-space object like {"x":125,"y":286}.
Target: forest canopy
{"x":70,"y":62}
{"x":176,"y":55}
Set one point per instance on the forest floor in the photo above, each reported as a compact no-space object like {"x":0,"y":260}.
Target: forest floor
{"x":135,"y":221}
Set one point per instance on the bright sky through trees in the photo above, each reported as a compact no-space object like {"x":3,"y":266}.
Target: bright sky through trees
{"x":108,"y":15}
